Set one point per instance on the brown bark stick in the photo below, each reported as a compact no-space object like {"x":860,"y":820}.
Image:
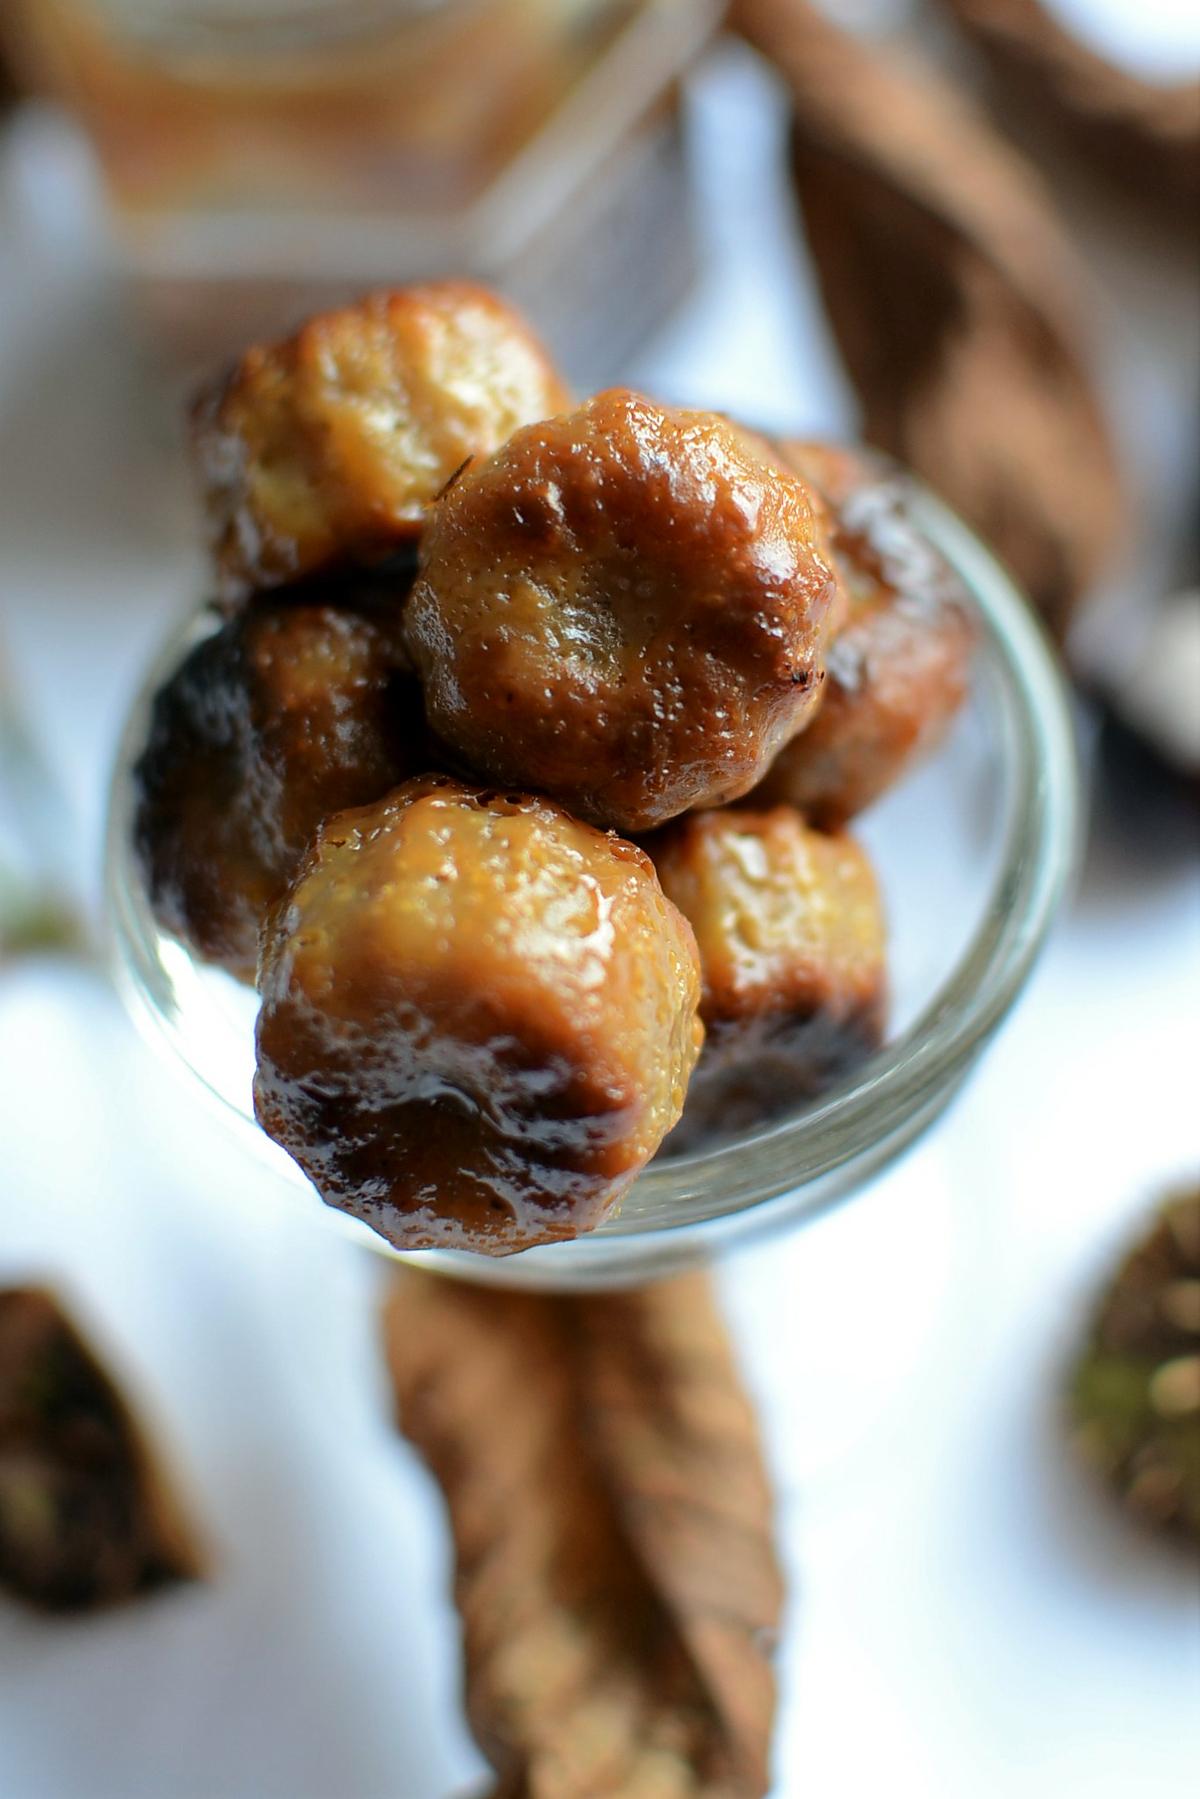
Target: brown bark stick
{"x":1144,"y":136}
{"x":956,"y":301}
{"x":616,"y":1577}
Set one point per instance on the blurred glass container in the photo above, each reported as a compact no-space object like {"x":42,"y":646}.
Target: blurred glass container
{"x":274,"y":156}
{"x":35,"y":911}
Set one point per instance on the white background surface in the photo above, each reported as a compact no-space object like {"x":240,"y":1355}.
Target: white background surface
{"x":967,"y":1615}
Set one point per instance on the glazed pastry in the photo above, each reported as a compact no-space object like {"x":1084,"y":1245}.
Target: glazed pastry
{"x":899,"y":665}
{"x":478,"y":1018}
{"x":790,"y":930}
{"x":325,"y":449}
{"x":624,"y":608}
{"x":288,"y":713}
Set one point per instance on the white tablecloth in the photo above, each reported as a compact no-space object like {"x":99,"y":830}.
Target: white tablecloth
{"x":968,"y":1616}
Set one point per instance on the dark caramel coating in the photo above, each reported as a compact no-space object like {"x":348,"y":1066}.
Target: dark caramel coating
{"x":324,"y":449}
{"x":625,"y":608}
{"x":478,"y":1018}
{"x":790,"y":930}
{"x":898,"y":667}
{"x":287,"y":714}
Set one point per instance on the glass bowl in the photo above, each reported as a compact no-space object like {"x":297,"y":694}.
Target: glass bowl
{"x":974,"y":852}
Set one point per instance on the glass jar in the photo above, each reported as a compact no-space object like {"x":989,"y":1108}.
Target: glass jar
{"x":974,"y":853}
{"x":269,"y":158}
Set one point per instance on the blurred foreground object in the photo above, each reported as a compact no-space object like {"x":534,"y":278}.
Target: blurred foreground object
{"x":1161,"y":699}
{"x":1144,"y":667}
{"x":955,"y":299}
{"x":8,"y":85}
{"x":1135,"y":1394}
{"x":268,"y":159}
{"x":1143,"y":135}
{"x":611,"y":1515}
{"x":35,"y":914}
{"x":87,"y":1518}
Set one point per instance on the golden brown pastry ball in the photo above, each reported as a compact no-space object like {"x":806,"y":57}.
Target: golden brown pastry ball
{"x":624,"y":608}
{"x":326,"y":448}
{"x":478,"y":1018}
{"x":288,"y":713}
{"x":899,"y":666}
{"x":792,"y":949}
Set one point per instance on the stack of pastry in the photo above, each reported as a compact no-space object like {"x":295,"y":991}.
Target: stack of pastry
{"x":518,"y":769}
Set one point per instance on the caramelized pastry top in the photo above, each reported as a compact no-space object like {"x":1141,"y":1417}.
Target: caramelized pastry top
{"x":790,"y":930}
{"x":624,"y":608}
{"x":478,"y":1018}
{"x":325,"y":449}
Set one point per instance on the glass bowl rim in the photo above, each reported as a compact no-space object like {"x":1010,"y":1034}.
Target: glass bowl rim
{"x":684,"y":1205}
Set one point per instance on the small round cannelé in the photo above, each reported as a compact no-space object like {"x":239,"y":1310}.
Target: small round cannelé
{"x":624,"y":608}
{"x":791,"y":936}
{"x":478,"y":1018}
{"x":289,"y":712}
{"x":324,"y":449}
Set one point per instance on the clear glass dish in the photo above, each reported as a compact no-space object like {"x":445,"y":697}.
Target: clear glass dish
{"x":974,"y":852}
